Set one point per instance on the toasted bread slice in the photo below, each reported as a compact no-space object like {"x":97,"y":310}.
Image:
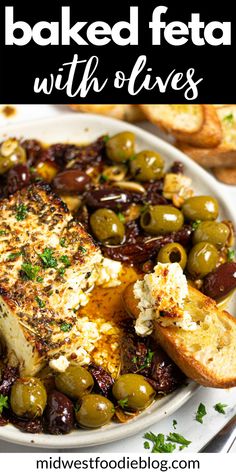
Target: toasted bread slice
{"x":130,"y":113}
{"x":227,"y":175}
{"x":207,"y":354}
{"x":209,"y":135}
{"x":225,"y":153}
{"x":178,"y":119}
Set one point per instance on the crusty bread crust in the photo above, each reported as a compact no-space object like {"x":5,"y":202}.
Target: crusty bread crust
{"x":181,"y":346}
{"x":178,"y":119}
{"x":209,"y":135}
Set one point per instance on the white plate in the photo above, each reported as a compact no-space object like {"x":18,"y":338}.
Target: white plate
{"x":85,"y":128}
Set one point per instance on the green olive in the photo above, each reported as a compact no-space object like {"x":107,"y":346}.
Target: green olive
{"x":161,"y":219}
{"x":120,"y":148}
{"x":173,"y":252}
{"x":211,"y":232}
{"x":146,"y":166}
{"x":94,"y":411}
{"x":107,"y":227}
{"x":28,"y":397}
{"x":200,"y":208}
{"x":75,"y":382}
{"x":133,"y":391}
{"x":11,"y":154}
{"x":202,"y":259}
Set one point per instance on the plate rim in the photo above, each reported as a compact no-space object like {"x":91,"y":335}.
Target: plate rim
{"x":184,"y":393}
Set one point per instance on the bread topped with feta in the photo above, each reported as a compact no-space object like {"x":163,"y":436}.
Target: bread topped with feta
{"x":48,"y":265}
{"x":195,"y":333}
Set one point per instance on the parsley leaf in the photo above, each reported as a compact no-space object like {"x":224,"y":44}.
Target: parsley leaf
{"x":220,"y":408}
{"x":146,"y":445}
{"x":65,"y":260}
{"x":2,"y":232}
{"x":177,"y":438}
{"x":40,"y":302}
{"x":63,"y":242}
{"x":106,"y":138}
{"x":13,"y":256}
{"x":103,"y":178}
{"x":174,"y":424}
{"x":30,"y":271}
{"x":3,"y":403}
{"x":229,"y":119}
{"x":21,"y":212}
{"x":147,"y":360}
{"x":48,"y":259}
{"x":230,"y":254}
{"x":123,"y":403}
{"x":66,"y":327}
{"x":62,"y":271}
{"x":158,"y":443}
{"x":121,"y":217}
{"x":201,"y":412}
{"x":82,"y":249}
{"x":195,"y":224}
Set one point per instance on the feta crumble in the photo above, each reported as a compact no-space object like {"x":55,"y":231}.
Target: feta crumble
{"x":161,"y":297}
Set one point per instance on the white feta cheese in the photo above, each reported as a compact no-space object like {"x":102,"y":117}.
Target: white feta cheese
{"x":161,"y":297}
{"x":60,"y":364}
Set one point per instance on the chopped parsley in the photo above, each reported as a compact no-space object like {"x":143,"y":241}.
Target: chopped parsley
{"x":103,"y":178}
{"x":134,"y":359}
{"x":147,"y":360}
{"x":65,"y":260}
{"x":2,"y":232}
{"x":48,"y":258}
{"x":158,"y":443}
{"x":220,"y":408}
{"x":40,"y":302}
{"x":21,"y":212}
{"x":63,"y":242}
{"x":30,"y":271}
{"x":229,"y":118}
{"x":230,"y":254}
{"x":3,"y":403}
{"x":62,"y":271}
{"x":123,"y":403}
{"x":201,"y":412}
{"x":177,"y":438}
{"x":146,"y":445}
{"x":174,"y":424}
{"x":121,"y":217}
{"x":13,"y":256}
{"x":82,"y":249}
{"x":106,"y":138}
{"x":66,"y":327}
{"x":132,"y":158}
{"x":39,"y":279}
{"x":195,"y":224}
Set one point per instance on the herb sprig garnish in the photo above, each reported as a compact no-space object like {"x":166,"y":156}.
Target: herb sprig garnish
{"x":47,"y":256}
{"x":21,"y":212}
{"x":3,"y":403}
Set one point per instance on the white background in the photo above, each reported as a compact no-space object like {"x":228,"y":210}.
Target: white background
{"x":192,"y":430}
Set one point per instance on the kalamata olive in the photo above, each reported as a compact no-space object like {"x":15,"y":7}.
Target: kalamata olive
{"x":200,"y":208}
{"x":75,"y":382}
{"x":202,"y":259}
{"x":94,"y":411}
{"x":161,"y":219}
{"x":134,"y":391}
{"x":17,"y":178}
{"x":112,"y":198}
{"x":28,"y":397}
{"x":70,"y":181}
{"x":177,"y":168}
{"x":59,"y":414}
{"x":221,"y":281}
{"x":212,"y":232}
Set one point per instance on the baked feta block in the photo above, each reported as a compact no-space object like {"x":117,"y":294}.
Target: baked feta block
{"x":47,"y":268}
